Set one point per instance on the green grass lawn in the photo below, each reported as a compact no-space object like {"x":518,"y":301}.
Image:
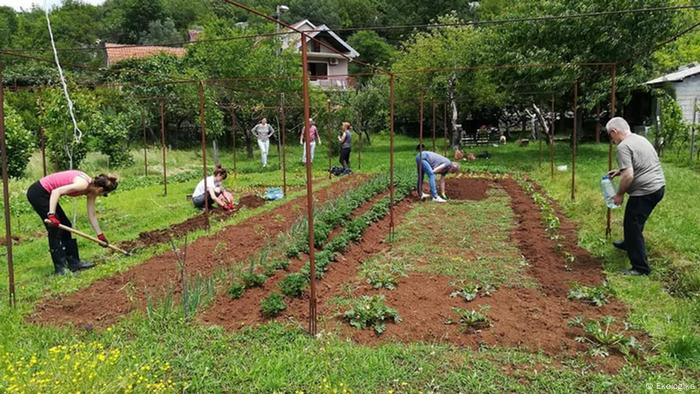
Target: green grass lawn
{"x":167,"y":351}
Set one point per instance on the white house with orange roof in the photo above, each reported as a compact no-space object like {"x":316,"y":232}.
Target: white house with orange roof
{"x":328,"y":54}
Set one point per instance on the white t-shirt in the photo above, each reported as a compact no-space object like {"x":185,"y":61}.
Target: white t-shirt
{"x":211,"y":184}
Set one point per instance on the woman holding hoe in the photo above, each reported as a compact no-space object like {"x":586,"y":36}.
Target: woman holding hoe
{"x":44,"y":196}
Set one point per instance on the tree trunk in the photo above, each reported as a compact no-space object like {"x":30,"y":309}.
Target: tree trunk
{"x":451,"y":93}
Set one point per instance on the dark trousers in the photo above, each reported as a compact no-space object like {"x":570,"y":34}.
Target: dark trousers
{"x":39,"y":199}
{"x":345,"y":157}
{"x":637,"y":212}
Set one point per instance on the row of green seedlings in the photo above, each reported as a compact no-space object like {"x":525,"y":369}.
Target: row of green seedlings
{"x":551,"y":221}
{"x":292,"y":242}
{"x":367,"y":311}
{"x":294,"y":284}
{"x":333,"y":214}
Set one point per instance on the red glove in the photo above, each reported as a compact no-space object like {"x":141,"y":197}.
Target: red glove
{"x":101,"y":237}
{"x":53,"y":219}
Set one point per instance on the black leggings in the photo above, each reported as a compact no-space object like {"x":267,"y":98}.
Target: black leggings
{"x":345,"y":157}
{"x":39,"y":198}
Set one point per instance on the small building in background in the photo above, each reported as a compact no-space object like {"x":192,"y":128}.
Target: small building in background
{"x":684,"y":84}
{"x":327,"y":68}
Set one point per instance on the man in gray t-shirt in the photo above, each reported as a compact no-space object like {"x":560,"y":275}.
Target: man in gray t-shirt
{"x":642,"y":178}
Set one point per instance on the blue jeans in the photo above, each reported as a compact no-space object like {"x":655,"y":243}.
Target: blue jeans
{"x":423,"y":168}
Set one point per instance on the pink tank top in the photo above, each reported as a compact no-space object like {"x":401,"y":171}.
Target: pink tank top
{"x":58,"y":179}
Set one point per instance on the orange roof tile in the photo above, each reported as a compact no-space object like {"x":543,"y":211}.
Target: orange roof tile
{"x":119,"y":52}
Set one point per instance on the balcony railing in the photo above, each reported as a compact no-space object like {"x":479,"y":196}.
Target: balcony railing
{"x":329,"y":82}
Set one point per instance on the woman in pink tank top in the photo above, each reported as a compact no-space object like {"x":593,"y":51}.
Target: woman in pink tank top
{"x":44,"y":195}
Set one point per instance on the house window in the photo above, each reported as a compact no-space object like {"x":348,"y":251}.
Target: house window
{"x":318,"y":71}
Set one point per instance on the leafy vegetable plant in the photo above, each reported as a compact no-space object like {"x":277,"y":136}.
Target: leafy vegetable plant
{"x":597,"y":296}
{"x":370,"y":311}
{"x":272,"y":305}
{"x":602,"y":337}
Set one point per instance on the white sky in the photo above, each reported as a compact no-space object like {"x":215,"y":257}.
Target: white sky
{"x":27,"y":4}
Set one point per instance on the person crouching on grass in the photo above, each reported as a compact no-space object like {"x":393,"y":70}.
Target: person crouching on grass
{"x":44,"y":196}
{"x":431,"y":163}
{"x":217,"y":193}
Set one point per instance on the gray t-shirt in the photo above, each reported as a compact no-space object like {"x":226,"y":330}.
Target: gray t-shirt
{"x":435,"y":160}
{"x":636,"y":152}
{"x":347,"y":143}
{"x":262,"y":132}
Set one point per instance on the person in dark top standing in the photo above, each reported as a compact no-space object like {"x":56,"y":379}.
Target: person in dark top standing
{"x":345,"y":140}
{"x":642,"y":178}
{"x":430,"y":163}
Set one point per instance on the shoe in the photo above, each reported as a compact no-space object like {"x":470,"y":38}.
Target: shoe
{"x":60,"y":263}
{"x":424,"y":196}
{"x":620,"y":244}
{"x":73,"y":257}
{"x":633,"y":272}
{"x":439,"y":199}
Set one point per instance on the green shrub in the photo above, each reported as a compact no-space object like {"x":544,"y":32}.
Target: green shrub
{"x":20,"y":143}
{"x":293,"y":285}
{"x":236,"y":291}
{"x":272,"y":305}
{"x":370,"y":311}
{"x":251,"y":279}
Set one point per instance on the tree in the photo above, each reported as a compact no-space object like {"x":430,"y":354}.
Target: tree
{"x":442,"y":53}
{"x":65,"y":150}
{"x":373,"y":50}
{"x":161,"y":33}
{"x":20,"y":143}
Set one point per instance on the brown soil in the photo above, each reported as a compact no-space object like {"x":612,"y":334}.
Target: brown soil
{"x":466,"y":188}
{"x":105,"y":301}
{"x":532,"y":319}
{"x":199,"y":222}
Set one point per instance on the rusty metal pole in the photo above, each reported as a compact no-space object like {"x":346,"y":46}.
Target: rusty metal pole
{"x":597,"y":124}
{"x":540,"y":157}
{"x":551,"y":140}
{"x":145,"y":145}
{"x":162,"y":148}
{"x":692,"y":136}
{"x":6,"y":194}
{"x":283,"y":134}
{"x":391,"y":156}
{"x":444,"y":128}
{"x":233,"y":135}
{"x":202,"y":128}
{"x":359,"y":150}
{"x":330,"y":136}
{"x":420,"y":146}
{"x":42,"y":141}
{"x":434,"y":126}
{"x":309,"y":185}
{"x":574,"y":144}
{"x":613,"y":110}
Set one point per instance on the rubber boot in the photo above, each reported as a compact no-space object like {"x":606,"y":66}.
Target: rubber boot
{"x":60,"y":262}
{"x":73,"y":257}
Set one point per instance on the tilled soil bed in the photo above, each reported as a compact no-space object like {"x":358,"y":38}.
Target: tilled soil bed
{"x":106,"y":300}
{"x":199,"y":222}
{"x":534,"y":319}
